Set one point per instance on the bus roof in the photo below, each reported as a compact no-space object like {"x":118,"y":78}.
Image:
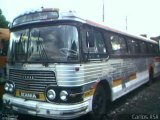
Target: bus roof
{"x":101,"y":25}
{"x":66,"y":15}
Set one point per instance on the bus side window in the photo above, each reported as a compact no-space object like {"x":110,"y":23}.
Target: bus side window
{"x":133,"y":46}
{"x":150,"y":48}
{"x":108,"y":42}
{"x":143,"y":47}
{"x":115,"y":44}
{"x":156,"y":49}
{"x":90,"y":39}
{"x":95,"y":44}
{"x":99,"y":42}
{"x":118,"y":44}
{"x":123,"y":46}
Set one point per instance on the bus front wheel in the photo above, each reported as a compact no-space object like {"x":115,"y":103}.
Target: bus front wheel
{"x":99,"y":103}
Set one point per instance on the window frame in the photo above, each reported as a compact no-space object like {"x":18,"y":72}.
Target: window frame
{"x":93,"y":56}
{"x":106,"y":37}
{"x":131,"y":52}
{"x":108,"y":40}
{"x":142,"y":45}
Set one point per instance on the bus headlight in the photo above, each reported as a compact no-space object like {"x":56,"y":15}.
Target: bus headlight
{"x":6,"y":86}
{"x":9,"y":87}
{"x":63,"y":95}
{"x":51,"y":95}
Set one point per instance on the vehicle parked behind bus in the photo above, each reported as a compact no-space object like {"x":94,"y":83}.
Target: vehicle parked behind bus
{"x":4,"y":42}
{"x":61,"y":66}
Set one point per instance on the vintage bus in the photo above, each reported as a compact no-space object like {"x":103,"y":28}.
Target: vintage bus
{"x":61,"y":66}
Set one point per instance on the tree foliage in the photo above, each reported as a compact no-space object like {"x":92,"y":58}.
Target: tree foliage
{"x":3,"y":22}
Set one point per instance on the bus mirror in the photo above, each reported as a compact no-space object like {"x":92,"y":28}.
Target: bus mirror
{"x":90,"y":39}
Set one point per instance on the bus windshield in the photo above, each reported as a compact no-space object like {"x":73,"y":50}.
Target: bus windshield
{"x":45,"y":44}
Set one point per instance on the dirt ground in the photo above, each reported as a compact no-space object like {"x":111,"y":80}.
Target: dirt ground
{"x":141,"y":104}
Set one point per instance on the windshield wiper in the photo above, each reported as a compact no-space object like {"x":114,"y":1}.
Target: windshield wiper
{"x":42,"y":51}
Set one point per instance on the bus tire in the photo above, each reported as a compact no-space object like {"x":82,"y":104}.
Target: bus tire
{"x":99,"y":103}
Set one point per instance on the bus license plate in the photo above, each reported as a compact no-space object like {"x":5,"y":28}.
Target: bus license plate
{"x":29,"y":95}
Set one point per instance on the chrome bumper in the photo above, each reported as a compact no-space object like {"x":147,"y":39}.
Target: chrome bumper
{"x":43,"y":109}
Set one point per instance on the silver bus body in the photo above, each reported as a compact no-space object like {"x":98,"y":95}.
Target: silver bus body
{"x":119,"y":74}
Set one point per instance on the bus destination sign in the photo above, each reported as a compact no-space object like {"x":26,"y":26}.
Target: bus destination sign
{"x":35,"y":17}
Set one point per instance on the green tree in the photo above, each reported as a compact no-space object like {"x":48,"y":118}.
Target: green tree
{"x":3,"y":22}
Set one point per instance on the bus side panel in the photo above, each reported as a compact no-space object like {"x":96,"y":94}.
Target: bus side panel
{"x":134,"y":72}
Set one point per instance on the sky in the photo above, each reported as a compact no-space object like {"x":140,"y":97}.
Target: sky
{"x":140,"y":16}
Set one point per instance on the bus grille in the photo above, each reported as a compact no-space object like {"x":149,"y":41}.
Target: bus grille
{"x":32,"y":80}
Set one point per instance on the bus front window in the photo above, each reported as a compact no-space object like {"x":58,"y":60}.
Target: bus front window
{"x":45,"y":44}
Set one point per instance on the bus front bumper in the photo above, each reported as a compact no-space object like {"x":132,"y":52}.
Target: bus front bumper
{"x":43,"y":109}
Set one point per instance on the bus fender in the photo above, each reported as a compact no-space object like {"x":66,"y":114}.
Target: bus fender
{"x":105,"y":83}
